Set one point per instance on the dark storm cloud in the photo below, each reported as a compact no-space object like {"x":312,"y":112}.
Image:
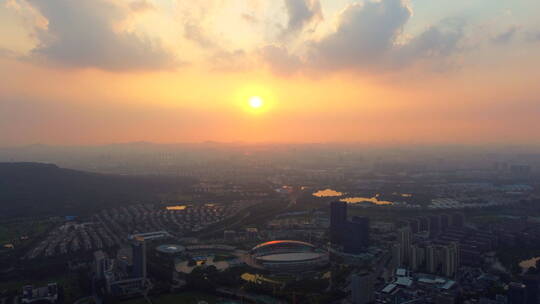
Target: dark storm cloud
{"x":81,"y":34}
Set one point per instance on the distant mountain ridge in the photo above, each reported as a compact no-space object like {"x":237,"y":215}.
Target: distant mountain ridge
{"x":39,"y":189}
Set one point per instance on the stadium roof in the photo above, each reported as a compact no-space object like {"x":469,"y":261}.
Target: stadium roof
{"x":170,"y":248}
{"x":282,"y":242}
{"x":291,"y":257}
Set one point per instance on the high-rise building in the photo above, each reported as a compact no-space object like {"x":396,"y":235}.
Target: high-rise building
{"x":458,"y":220}
{"x":414,"y":224}
{"x":431,"y":259}
{"x":445,"y":221}
{"x":396,"y":255}
{"x":450,"y":259}
{"x":420,"y":253}
{"x":439,"y":259}
{"x":532,"y":288}
{"x":338,"y":221}
{"x":139,"y":258}
{"x":434,"y":225}
{"x":362,"y":288}
{"x":516,"y":293}
{"x":100,"y":263}
{"x":414,"y":258}
{"x":424,"y":224}
{"x":404,"y":239}
{"x":252,"y":234}
{"x":356,"y":238}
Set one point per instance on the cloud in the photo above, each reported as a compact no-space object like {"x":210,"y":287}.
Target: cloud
{"x":230,"y":61}
{"x":195,"y":33}
{"x":282,"y":62}
{"x":7,"y":53}
{"x":250,"y":18}
{"x":370,"y":36}
{"x":531,"y":35}
{"x":82,"y":34}
{"x":436,"y":43}
{"x":301,"y":13}
{"x":141,"y":6}
{"x":506,"y":36}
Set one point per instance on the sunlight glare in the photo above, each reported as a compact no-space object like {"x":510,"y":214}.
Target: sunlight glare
{"x":256,"y":102}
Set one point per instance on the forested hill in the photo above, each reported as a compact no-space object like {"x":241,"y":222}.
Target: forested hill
{"x":36,"y":189}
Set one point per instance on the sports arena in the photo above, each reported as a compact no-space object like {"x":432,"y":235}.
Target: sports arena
{"x":287,"y":255}
{"x":171,"y":249}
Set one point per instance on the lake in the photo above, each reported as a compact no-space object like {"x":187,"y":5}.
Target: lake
{"x":177,"y":207}
{"x":355,"y":199}
{"x":526,"y":264}
{"x":328,"y":193}
{"x":373,"y":200}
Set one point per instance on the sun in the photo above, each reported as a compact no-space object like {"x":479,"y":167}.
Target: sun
{"x":256,"y":102}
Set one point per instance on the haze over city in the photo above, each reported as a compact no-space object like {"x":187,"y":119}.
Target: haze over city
{"x":269,"y":151}
{"x":388,"y":71}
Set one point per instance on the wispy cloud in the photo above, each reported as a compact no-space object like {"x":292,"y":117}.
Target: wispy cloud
{"x":507,"y":36}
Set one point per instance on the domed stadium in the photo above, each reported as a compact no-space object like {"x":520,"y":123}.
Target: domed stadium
{"x":170,"y":249}
{"x":288,"y":255}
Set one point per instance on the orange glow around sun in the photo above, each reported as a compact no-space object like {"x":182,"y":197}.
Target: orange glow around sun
{"x":256,"y":98}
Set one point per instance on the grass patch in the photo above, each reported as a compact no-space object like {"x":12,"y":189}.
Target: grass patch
{"x":223,"y":257}
{"x":11,"y":232}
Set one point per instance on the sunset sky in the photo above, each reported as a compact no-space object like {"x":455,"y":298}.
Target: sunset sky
{"x":419,"y":71}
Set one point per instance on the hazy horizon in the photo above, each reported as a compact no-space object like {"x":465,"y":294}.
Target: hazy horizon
{"x":378,"y":145}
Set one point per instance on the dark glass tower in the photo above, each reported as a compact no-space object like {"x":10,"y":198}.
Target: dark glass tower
{"x":532,"y":290}
{"x":338,"y":221}
{"x":139,"y":259}
{"x":356,"y":237}
{"x":516,"y":293}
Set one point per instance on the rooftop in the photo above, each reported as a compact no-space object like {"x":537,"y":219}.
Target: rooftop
{"x":282,"y":242}
{"x":389,"y":288}
{"x":170,"y":248}
{"x":404,"y":281}
{"x":291,"y":257}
